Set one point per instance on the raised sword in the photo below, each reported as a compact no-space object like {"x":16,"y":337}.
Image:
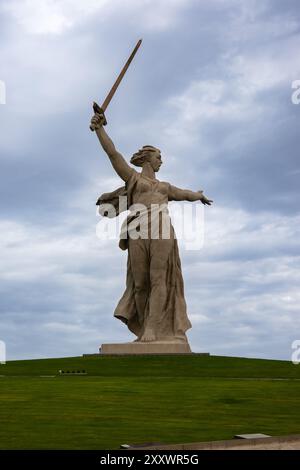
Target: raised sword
{"x":101,"y":109}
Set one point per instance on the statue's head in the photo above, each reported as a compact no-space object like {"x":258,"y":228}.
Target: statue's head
{"x":147,"y":154}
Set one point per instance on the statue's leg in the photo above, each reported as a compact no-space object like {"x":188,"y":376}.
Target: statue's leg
{"x":139,"y":260}
{"x":159,"y":255}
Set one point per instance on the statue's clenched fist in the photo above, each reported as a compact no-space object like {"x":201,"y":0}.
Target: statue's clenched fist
{"x":97,"y":121}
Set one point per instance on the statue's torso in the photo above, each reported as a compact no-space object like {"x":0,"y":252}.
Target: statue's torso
{"x":148,"y":191}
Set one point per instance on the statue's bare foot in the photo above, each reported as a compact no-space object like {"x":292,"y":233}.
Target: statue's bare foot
{"x":148,"y":335}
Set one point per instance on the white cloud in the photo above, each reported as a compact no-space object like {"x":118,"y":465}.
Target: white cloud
{"x":30,"y":253}
{"x":262,"y":70}
{"x":234,"y":97}
{"x":51,"y":16}
{"x":55,"y":17}
{"x":255,"y":21}
{"x":243,"y":285}
{"x":209,"y":100}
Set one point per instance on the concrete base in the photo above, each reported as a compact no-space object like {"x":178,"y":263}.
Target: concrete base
{"x":153,"y":347}
{"x":268,"y":443}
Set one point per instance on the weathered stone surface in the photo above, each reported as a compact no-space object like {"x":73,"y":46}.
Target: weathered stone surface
{"x":141,"y":347}
{"x":153,"y":305}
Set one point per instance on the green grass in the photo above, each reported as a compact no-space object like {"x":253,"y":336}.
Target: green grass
{"x":145,"y":399}
{"x":157,"y":366}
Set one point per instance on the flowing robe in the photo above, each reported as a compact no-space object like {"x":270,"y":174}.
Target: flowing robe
{"x":174,"y":321}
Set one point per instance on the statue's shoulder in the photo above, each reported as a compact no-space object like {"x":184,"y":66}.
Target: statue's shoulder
{"x":132,"y":181}
{"x":134,"y":173}
{"x":165,"y":184}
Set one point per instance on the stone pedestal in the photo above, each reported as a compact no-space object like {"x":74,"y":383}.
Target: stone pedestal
{"x":153,"y":347}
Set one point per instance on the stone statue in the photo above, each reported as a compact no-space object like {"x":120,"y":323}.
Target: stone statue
{"x":153,"y":305}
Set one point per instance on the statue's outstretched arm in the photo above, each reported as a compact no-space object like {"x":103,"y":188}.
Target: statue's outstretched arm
{"x":177,"y":194}
{"x":117,"y":160}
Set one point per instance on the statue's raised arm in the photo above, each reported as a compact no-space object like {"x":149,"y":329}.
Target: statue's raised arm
{"x":153,"y":304}
{"x":117,"y":160}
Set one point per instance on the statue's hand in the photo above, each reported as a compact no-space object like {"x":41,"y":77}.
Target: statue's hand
{"x":204,"y":199}
{"x":97,"y":120}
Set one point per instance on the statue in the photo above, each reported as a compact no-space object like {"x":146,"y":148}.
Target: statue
{"x":153,"y":305}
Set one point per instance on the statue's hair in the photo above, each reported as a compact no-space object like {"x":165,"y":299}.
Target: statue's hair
{"x":140,"y":157}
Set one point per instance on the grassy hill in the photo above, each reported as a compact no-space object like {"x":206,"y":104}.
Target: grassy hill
{"x":144,"y":399}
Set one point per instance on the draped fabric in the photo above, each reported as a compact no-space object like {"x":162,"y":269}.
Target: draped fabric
{"x":174,"y":320}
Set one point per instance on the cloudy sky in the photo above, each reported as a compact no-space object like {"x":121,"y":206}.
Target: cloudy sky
{"x":211,"y":86}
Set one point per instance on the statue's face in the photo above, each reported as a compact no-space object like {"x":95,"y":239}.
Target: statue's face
{"x":155,"y":160}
